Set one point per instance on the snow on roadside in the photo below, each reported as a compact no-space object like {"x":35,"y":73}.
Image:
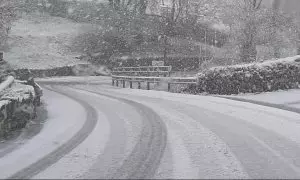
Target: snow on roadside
{"x":277,"y":97}
{"x":81,"y":158}
{"x":288,"y":97}
{"x":215,"y":154}
{"x":280,"y":121}
{"x":62,"y":124}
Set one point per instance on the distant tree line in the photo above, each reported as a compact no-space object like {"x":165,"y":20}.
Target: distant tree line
{"x":126,"y":26}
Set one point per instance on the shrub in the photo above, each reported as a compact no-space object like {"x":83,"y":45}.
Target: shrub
{"x":74,"y":70}
{"x":251,"y":78}
{"x":24,"y":74}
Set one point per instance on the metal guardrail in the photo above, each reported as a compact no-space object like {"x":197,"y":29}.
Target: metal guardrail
{"x":144,"y":68}
{"x":146,"y":74}
{"x":149,"y":80}
{"x":143,"y":71}
{"x":7,"y":83}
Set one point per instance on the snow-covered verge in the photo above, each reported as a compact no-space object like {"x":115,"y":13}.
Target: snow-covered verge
{"x":265,"y":76}
{"x":17,"y":106}
{"x":288,"y":98}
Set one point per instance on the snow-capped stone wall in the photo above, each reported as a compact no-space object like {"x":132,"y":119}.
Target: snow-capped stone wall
{"x":266,"y":76}
{"x":17,"y":106}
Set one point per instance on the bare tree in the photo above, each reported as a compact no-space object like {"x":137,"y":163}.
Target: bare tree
{"x":298,"y":44}
{"x":248,"y":45}
{"x":276,"y":47}
{"x":185,"y":16}
{"x":133,"y":7}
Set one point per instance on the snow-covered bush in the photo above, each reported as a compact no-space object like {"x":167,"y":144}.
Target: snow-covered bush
{"x":74,"y":70}
{"x":24,"y":74}
{"x":250,"y":78}
{"x":90,"y":70}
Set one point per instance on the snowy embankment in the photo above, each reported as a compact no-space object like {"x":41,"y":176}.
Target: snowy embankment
{"x":42,"y":41}
{"x":43,"y":44}
{"x":256,"y":77}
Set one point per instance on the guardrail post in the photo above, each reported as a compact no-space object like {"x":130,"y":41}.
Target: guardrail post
{"x":123,"y":83}
{"x":148,"y":85}
{"x":117,"y":83}
{"x":169,"y":87}
{"x":139,"y":85}
{"x":130,"y":84}
{"x":113,"y":82}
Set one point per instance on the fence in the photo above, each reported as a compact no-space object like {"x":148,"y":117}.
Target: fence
{"x":143,"y":71}
{"x":131,"y":75}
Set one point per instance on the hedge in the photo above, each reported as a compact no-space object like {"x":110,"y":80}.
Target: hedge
{"x":74,"y":70}
{"x":23,"y":74}
{"x":267,"y":76}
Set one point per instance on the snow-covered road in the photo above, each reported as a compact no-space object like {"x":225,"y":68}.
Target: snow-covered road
{"x":128,"y":133}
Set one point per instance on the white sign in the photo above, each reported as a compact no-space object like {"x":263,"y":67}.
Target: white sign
{"x":158,"y":63}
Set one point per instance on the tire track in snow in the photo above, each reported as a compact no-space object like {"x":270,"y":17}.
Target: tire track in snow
{"x":145,"y":158}
{"x":53,"y":157}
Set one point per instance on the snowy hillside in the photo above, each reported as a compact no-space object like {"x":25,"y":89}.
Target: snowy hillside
{"x":42,"y":41}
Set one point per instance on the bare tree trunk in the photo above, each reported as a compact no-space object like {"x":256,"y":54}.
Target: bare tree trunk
{"x":111,"y":3}
{"x":117,"y":4}
{"x":248,"y":47}
{"x":276,"y":46}
{"x":169,"y":28}
{"x":298,"y":44}
{"x":143,"y":7}
{"x":165,"y":47}
{"x":248,"y":50}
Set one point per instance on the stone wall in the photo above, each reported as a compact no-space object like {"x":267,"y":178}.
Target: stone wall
{"x":17,"y":106}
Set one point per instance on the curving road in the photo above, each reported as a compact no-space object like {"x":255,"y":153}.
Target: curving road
{"x":128,"y":133}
